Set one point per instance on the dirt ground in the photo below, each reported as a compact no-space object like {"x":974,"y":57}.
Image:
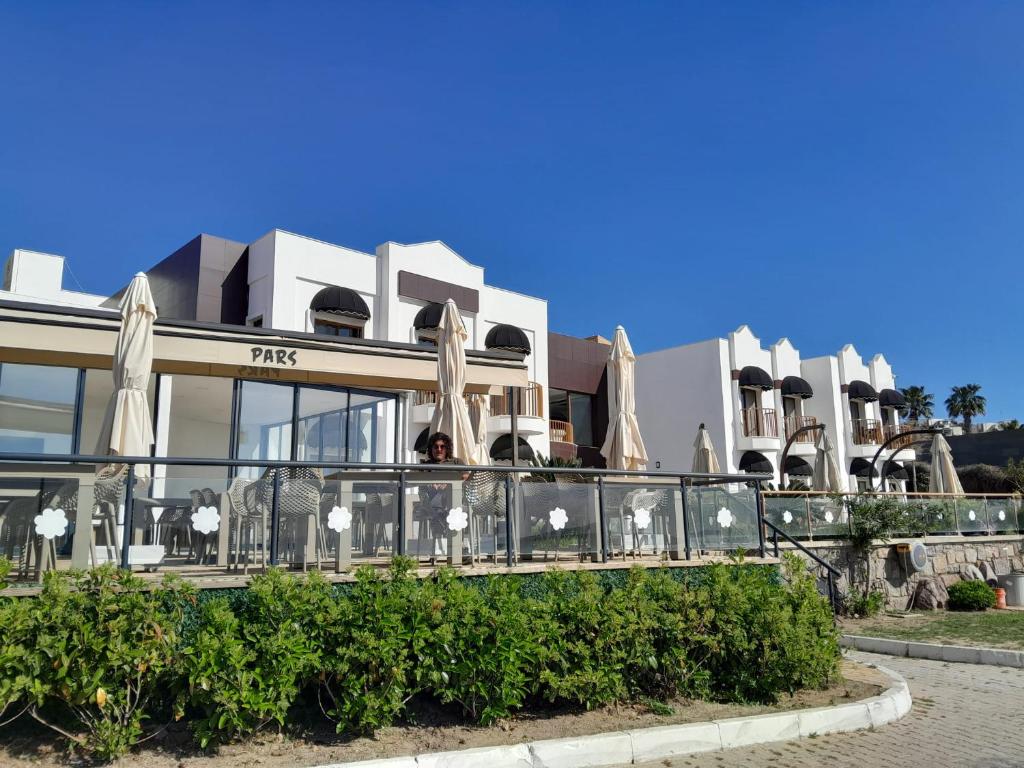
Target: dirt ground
{"x":24,"y":743}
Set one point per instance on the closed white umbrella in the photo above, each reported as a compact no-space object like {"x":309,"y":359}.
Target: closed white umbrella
{"x":944,"y":478}
{"x":128,"y":427}
{"x":451,"y":415}
{"x":826,"y":476}
{"x":623,"y":447}
{"x":705,"y":460}
{"x":479,"y":410}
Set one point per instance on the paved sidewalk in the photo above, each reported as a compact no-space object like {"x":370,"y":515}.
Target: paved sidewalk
{"x":964,"y":716}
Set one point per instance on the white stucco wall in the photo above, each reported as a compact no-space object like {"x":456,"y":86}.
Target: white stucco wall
{"x":35,"y":277}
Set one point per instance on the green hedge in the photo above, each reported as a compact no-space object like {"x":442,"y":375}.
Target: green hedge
{"x":971,"y":596}
{"x":103,"y":658}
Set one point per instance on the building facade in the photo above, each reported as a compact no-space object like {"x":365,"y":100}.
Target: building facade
{"x":755,"y":401}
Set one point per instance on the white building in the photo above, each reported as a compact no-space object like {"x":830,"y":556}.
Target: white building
{"x":753,"y":400}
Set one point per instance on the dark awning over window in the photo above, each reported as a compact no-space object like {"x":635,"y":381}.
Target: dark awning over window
{"x":895,"y":471}
{"x":752,"y":461}
{"x":860,"y":468}
{"x":507,"y":337}
{"x":428,"y":318}
{"x":891,"y":398}
{"x":752,"y":376}
{"x":861,"y":390}
{"x":340,"y":301}
{"x":797,"y":466}
{"x":794,"y":386}
{"x":502,"y":449}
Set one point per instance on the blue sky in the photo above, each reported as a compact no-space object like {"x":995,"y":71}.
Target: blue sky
{"x":829,"y":172}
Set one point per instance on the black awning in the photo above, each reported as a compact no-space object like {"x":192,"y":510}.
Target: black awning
{"x":501,"y":450}
{"x":891,"y":398}
{"x":797,"y":466}
{"x":421,"y":441}
{"x":752,"y":461}
{"x":861,"y":390}
{"x":508,"y":337}
{"x":860,"y":468}
{"x":895,"y":471}
{"x":752,"y":376}
{"x":340,"y":301}
{"x":429,"y":317}
{"x":794,"y":386}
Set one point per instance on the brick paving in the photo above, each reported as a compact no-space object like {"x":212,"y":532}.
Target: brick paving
{"x":964,"y":716}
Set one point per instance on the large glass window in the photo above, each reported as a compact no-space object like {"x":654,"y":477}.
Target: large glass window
{"x":322,"y":424}
{"x":558,"y":404}
{"x":37,"y":408}
{"x":330,"y":328}
{"x":368,"y":435}
{"x":98,"y":390}
{"x":576,"y":408}
{"x":265,"y":421}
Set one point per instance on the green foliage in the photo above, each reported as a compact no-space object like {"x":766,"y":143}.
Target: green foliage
{"x":100,"y":651}
{"x":971,"y":596}
{"x":864,"y":605}
{"x":873,"y":519}
{"x":984,"y":478}
{"x":966,"y":402}
{"x":1015,"y":474}
{"x":241,"y":671}
{"x":920,"y":403}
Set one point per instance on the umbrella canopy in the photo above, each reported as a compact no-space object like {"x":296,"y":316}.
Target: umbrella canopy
{"x":127,"y":426}
{"x":623,"y":447}
{"x":479,"y":410}
{"x":704,"y":458}
{"x":451,"y":415}
{"x":826,"y":476}
{"x":944,"y":478}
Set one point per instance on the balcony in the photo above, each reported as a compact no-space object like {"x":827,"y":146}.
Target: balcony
{"x":866,"y":431}
{"x":759,"y":422}
{"x":531,"y":402}
{"x":892,"y":430}
{"x":794,"y":423}
{"x":563,"y":441}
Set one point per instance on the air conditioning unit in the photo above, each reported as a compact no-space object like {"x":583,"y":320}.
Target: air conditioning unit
{"x":914,"y":556}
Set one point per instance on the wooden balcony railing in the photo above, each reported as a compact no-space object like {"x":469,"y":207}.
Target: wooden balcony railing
{"x":793,"y":423}
{"x":531,"y":402}
{"x":759,"y":422}
{"x":891,"y":430}
{"x":866,"y":431}
{"x":423,"y":397}
{"x":561,"y":431}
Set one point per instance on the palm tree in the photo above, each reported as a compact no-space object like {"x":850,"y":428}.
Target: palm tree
{"x":966,"y":403}
{"x":919,"y":403}
{"x":1010,"y":425}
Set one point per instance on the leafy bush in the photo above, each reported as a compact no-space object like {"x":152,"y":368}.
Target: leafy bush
{"x":971,"y":596}
{"x":984,"y":478}
{"x":864,"y":605}
{"x":100,"y":649}
{"x":241,"y":671}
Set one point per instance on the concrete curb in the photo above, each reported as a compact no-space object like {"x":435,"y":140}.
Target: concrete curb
{"x":960,"y":654}
{"x":649,"y":744}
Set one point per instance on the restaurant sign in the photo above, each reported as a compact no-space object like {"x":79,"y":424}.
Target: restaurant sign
{"x":273,"y":356}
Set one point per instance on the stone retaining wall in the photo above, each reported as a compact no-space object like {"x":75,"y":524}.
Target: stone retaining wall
{"x":948,"y":558}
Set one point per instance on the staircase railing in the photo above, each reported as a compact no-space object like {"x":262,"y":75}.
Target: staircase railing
{"x":831,"y":572}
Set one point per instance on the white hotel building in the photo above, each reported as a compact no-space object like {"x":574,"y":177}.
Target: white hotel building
{"x":752,"y":400}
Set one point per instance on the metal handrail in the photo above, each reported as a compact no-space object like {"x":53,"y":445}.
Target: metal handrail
{"x":832,"y":573}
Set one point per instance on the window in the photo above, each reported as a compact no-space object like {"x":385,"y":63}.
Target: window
{"x":426,"y":337}
{"x":256,"y":322}
{"x":749,"y":398}
{"x":334,"y":328}
{"x":856,"y":410}
{"x":37,"y":408}
{"x":575,"y":408}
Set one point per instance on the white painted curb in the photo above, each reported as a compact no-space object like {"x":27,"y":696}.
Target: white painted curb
{"x":960,"y":654}
{"x":650,"y":744}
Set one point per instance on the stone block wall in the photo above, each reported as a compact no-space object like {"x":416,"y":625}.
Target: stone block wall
{"x":948,"y":558}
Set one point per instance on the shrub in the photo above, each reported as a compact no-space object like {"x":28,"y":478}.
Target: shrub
{"x":241,"y":671}
{"x":864,"y":605}
{"x":984,"y":478}
{"x":971,"y":596}
{"x":101,"y":648}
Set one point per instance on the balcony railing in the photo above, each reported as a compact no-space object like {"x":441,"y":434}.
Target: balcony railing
{"x":531,"y":402}
{"x":423,"y":397}
{"x":794,"y":423}
{"x":759,"y":422}
{"x":866,"y":431}
{"x":891,"y":430}
{"x":561,"y":431}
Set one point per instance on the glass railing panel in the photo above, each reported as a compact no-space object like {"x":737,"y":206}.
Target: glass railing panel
{"x":1002,"y":514}
{"x":557,"y":519}
{"x":437,"y":518}
{"x":789,"y":514}
{"x":725,"y":517}
{"x":641,"y":518}
{"x":971,"y":514}
{"x":829,"y":518}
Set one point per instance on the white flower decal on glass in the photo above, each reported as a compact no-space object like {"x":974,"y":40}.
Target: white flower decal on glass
{"x":829,"y":516}
{"x":971,"y":515}
{"x":642,"y":518}
{"x":51,"y":524}
{"x":724,"y":517}
{"x":558,"y":518}
{"x":339,"y":519}
{"x":205,"y":520}
{"x":939,"y":516}
{"x":787,"y":517}
{"x":1002,"y":515}
{"x":457,"y":519}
